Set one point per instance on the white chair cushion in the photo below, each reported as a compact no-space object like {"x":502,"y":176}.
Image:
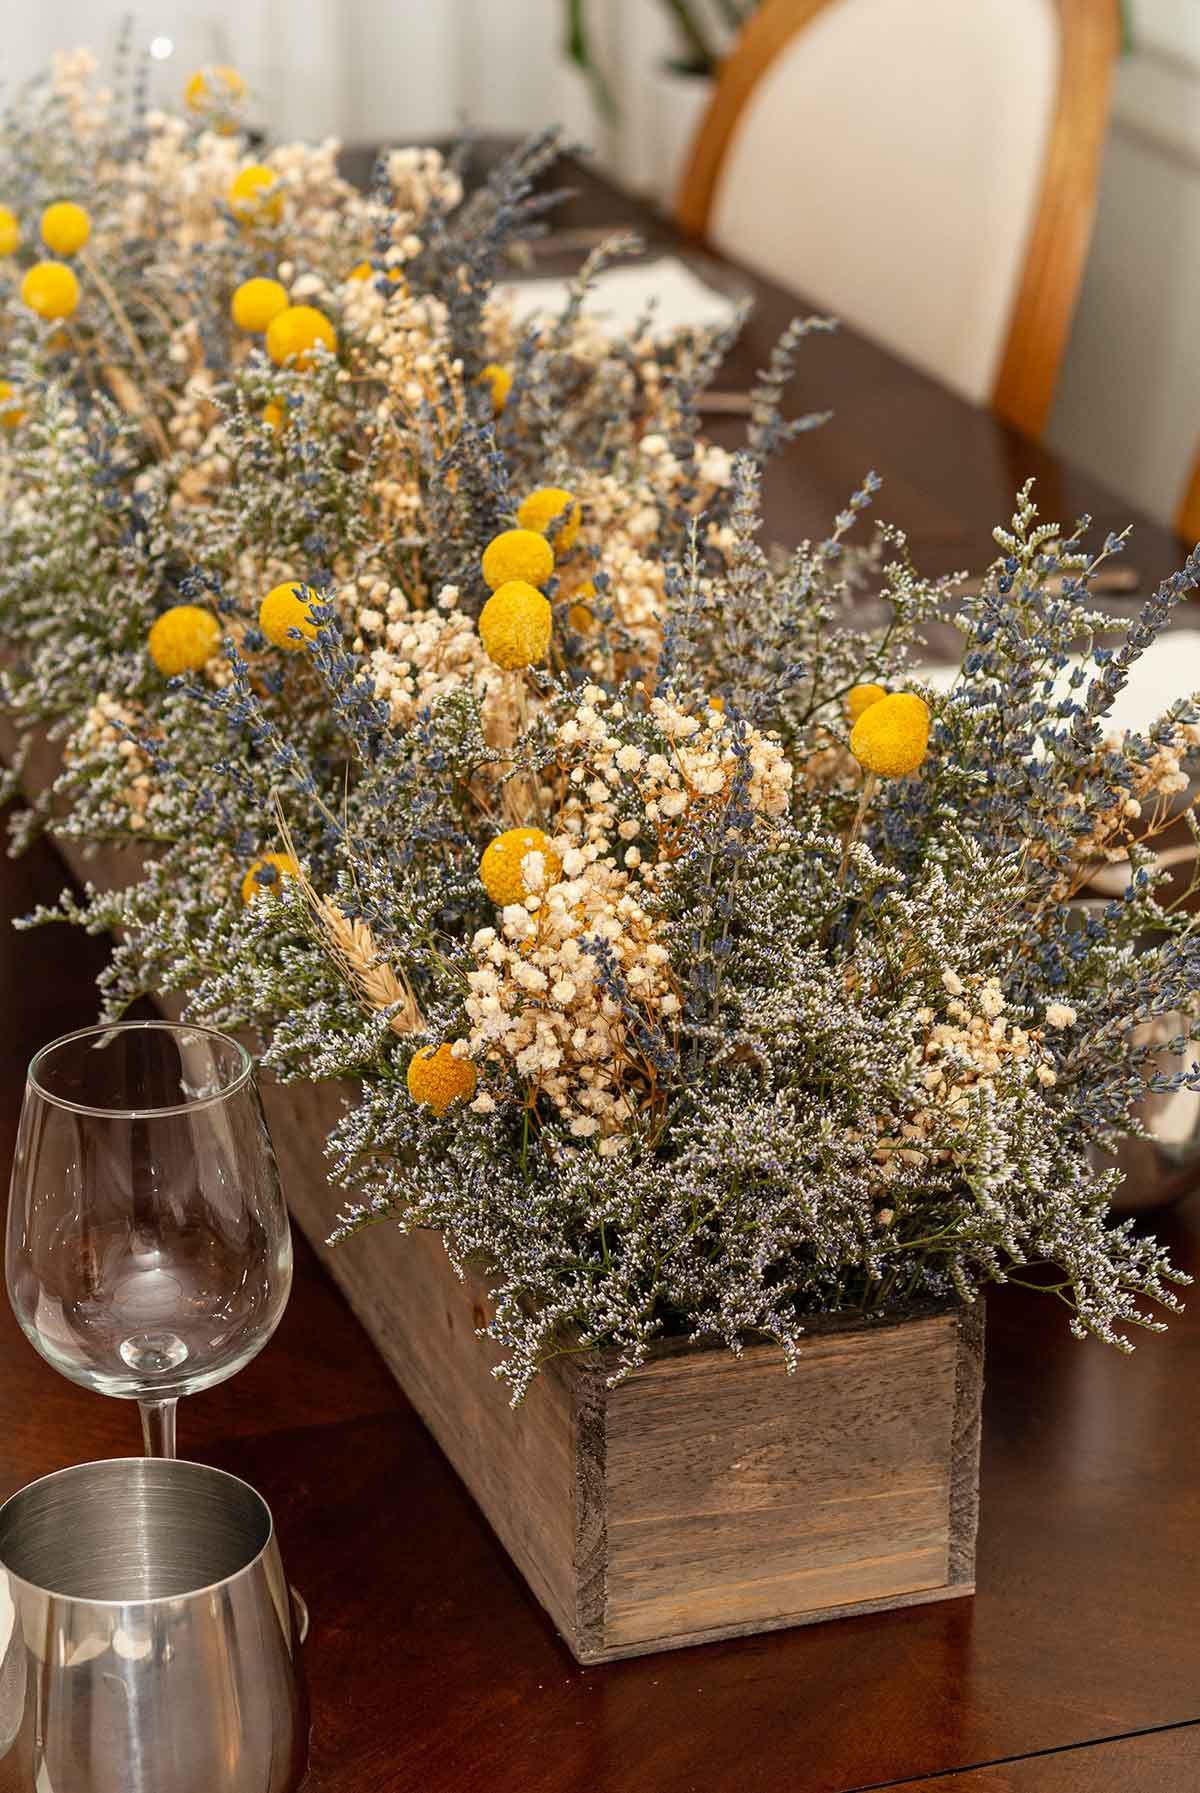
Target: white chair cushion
{"x":888,"y":165}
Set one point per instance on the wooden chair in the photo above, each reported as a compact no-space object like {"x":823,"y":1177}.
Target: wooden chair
{"x":1187,"y":518}
{"x":926,"y":169}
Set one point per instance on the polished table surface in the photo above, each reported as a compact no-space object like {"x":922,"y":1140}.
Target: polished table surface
{"x":950,"y":469}
{"x":1074,"y":1669}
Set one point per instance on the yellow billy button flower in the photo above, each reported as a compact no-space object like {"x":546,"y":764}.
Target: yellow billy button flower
{"x":891,"y":737}
{"x":213,"y":87}
{"x":282,"y":610}
{"x":254,"y":195}
{"x":861,"y":697}
{"x":256,"y":302}
{"x":65,"y":228}
{"x":500,"y":867}
{"x":272,"y":415}
{"x":580,"y":614}
{"x":184,"y":639}
{"x":545,"y":507}
{"x":51,"y":289}
{"x":517,"y":554}
{"x":12,"y":411}
{"x":436,"y":1078}
{"x":295,"y":334}
{"x":10,"y":231}
{"x":515,"y":625}
{"x":267,"y":874}
{"x":500,"y":381}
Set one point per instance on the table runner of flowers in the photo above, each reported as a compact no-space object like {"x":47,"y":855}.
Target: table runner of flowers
{"x":690,"y":963}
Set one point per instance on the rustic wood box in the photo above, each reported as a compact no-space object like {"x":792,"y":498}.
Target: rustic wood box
{"x":707,"y":1496}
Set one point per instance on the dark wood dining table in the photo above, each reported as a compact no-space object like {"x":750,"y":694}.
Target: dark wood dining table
{"x":1075,"y":1668}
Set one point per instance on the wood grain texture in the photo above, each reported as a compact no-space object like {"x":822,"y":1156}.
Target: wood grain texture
{"x":743,"y":1498}
{"x":1048,"y":283}
{"x":966,"y":1428}
{"x":1161,"y":1762}
{"x":519,"y":1464}
{"x":708,"y":1496}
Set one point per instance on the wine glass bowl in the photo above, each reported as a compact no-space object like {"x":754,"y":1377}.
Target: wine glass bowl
{"x":149,"y":1252}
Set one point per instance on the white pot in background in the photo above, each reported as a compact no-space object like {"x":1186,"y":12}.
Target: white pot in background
{"x":676,"y":103}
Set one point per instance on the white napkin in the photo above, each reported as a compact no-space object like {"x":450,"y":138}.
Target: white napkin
{"x":1169,"y":669}
{"x":619,"y":298}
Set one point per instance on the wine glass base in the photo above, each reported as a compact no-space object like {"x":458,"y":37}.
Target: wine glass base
{"x":153,"y":1353}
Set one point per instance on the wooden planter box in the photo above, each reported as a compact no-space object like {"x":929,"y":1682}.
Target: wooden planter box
{"x":707,"y":1496}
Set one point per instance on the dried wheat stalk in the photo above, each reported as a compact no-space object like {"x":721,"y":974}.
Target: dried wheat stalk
{"x":352,"y":945}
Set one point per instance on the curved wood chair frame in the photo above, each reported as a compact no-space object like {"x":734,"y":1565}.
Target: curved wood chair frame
{"x":1056,"y":251}
{"x":1187,"y":519}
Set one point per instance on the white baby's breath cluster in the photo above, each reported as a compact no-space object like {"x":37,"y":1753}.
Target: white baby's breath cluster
{"x":567,"y":990}
{"x":705,"y":763}
{"x":177,"y":184}
{"x":418,"y":656}
{"x":618,"y":790}
{"x":622,"y":523}
{"x":967,"y":1050}
{"x":109,"y":731}
{"x":402,"y":343}
{"x":541,"y":1010}
{"x":419,"y":179}
{"x":73,"y":85}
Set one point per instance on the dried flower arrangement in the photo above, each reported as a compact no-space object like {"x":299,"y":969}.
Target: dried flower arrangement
{"x":692,"y":964}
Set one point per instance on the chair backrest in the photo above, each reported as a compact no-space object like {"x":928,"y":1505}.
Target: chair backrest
{"x":926,"y":169}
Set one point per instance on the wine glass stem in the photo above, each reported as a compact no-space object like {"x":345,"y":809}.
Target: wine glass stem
{"x":158,"y":1427}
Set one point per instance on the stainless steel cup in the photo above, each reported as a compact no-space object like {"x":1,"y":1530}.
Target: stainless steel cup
{"x":147,"y":1639}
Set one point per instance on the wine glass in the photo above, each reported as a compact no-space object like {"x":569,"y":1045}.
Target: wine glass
{"x":149,"y":1251}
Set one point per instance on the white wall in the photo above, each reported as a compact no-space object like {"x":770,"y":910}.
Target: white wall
{"x":363,"y":70}
{"x":1129,"y":402}
{"x":285,"y":48}
{"x":370,"y":70}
